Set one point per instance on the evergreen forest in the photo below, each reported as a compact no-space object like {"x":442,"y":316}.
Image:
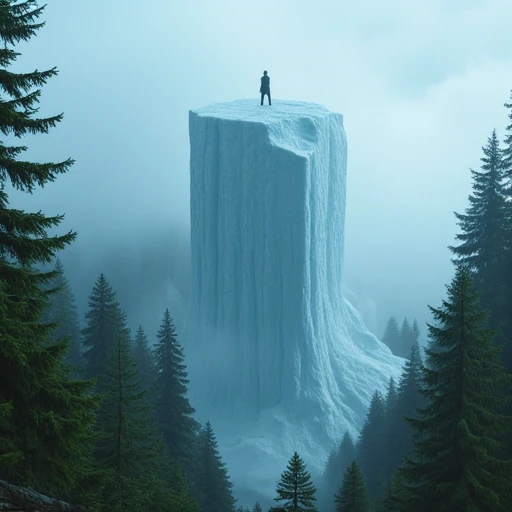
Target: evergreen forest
{"x":99,"y":415}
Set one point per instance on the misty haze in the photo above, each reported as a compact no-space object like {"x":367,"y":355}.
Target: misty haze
{"x":255,"y":256}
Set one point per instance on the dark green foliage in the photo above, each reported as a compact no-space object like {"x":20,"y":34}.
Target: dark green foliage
{"x":62,"y":311}
{"x":503,"y":309}
{"x":173,"y":410}
{"x":215,"y":484}
{"x":182,"y":501}
{"x":101,"y":330}
{"x":391,"y":336}
{"x":353,"y":496}
{"x":394,"y":499}
{"x":145,"y":361}
{"x":295,"y":489}
{"x":339,"y":459}
{"x":47,"y":424}
{"x":483,"y":226}
{"x":130,"y":447}
{"x":52,"y":416}
{"x":454,"y":467}
{"x":408,"y":400}
{"x":9,"y":453}
{"x":371,"y":446}
{"x":507,"y":151}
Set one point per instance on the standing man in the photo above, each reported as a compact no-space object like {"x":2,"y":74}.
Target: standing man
{"x":265,"y":87}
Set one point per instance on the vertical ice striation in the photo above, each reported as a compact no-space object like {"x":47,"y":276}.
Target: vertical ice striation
{"x":271,"y":334}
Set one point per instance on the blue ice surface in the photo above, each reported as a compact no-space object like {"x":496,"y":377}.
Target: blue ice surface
{"x":280,"y":361}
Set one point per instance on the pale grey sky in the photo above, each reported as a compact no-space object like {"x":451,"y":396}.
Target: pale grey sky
{"x":421,"y":86}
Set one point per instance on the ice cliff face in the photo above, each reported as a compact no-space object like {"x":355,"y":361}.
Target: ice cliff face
{"x":279,"y":360}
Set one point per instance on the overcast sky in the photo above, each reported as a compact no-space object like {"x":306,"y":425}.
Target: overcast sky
{"x":421,"y":85}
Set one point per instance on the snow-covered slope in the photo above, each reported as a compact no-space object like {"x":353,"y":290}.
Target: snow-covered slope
{"x":279,"y":360}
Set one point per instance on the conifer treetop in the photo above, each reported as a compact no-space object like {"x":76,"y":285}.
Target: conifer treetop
{"x":352,"y":496}
{"x":295,"y":488}
{"x":459,"y":427}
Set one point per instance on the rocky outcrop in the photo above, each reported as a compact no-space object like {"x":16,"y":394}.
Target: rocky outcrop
{"x":21,"y":499}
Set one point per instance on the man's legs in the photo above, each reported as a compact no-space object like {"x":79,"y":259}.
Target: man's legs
{"x":263,"y":94}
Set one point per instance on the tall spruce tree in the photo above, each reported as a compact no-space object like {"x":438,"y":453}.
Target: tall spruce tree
{"x":9,"y":454}
{"x":391,"y":336}
{"x":173,"y":409}
{"x":394,"y":499}
{"x":103,"y":323}
{"x":353,"y":496}
{"x":257,"y":507}
{"x":416,"y":333}
{"x":145,"y":361}
{"x":51,"y":417}
{"x":391,"y":398}
{"x":506,"y":306}
{"x":295,"y":490}
{"x":406,"y":339}
{"x":504,"y":309}
{"x":391,"y":406}
{"x":329,"y":482}
{"x":215,"y":484}
{"x":507,"y":150}
{"x":454,"y":465}
{"x":483,"y":226}
{"x":338,"y":461}
{"x":182,"y":500}
{"x":408,"y":401}
{"x":371,"y":446}
{"x":129,"y":446}
{"x":62,"y":311}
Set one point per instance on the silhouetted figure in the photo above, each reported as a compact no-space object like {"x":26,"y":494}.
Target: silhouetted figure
{"x":265,"y":87}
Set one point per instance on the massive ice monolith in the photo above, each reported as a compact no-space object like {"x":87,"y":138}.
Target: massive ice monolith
{"x":279,"y":360}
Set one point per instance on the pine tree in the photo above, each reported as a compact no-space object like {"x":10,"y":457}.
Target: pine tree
{"x":129,"y":447}
{"x":173,"y":409}
{"x":50,"y":422}
{"x":406,"y":339}
{"x":391,"y":410}
{"x":394,"y":499}
{"x":257,"y":507}
{"x":391,"y":398}
{"x":352,"y":496}
{"x":391,"y":336}
{"x":346,"y":452}
{"x":215,"y":484}
{"x":483,"y":226}
{"x":415,"y":333}
{"x":330,"y":481}
{"x":454,"y":466}
{"x":507,"y":151}
{"x":338,"y":461}
{"x":62,"y":311}
{"x":295,"y":488}
{"x":371,"y":446}
{"x":9,"y":454}
{"x":409,"y":400}
{"x":502,"y":310}
{"x":145,"y":361}
{"x":182,"y":500}
{"x":101,"y":331}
